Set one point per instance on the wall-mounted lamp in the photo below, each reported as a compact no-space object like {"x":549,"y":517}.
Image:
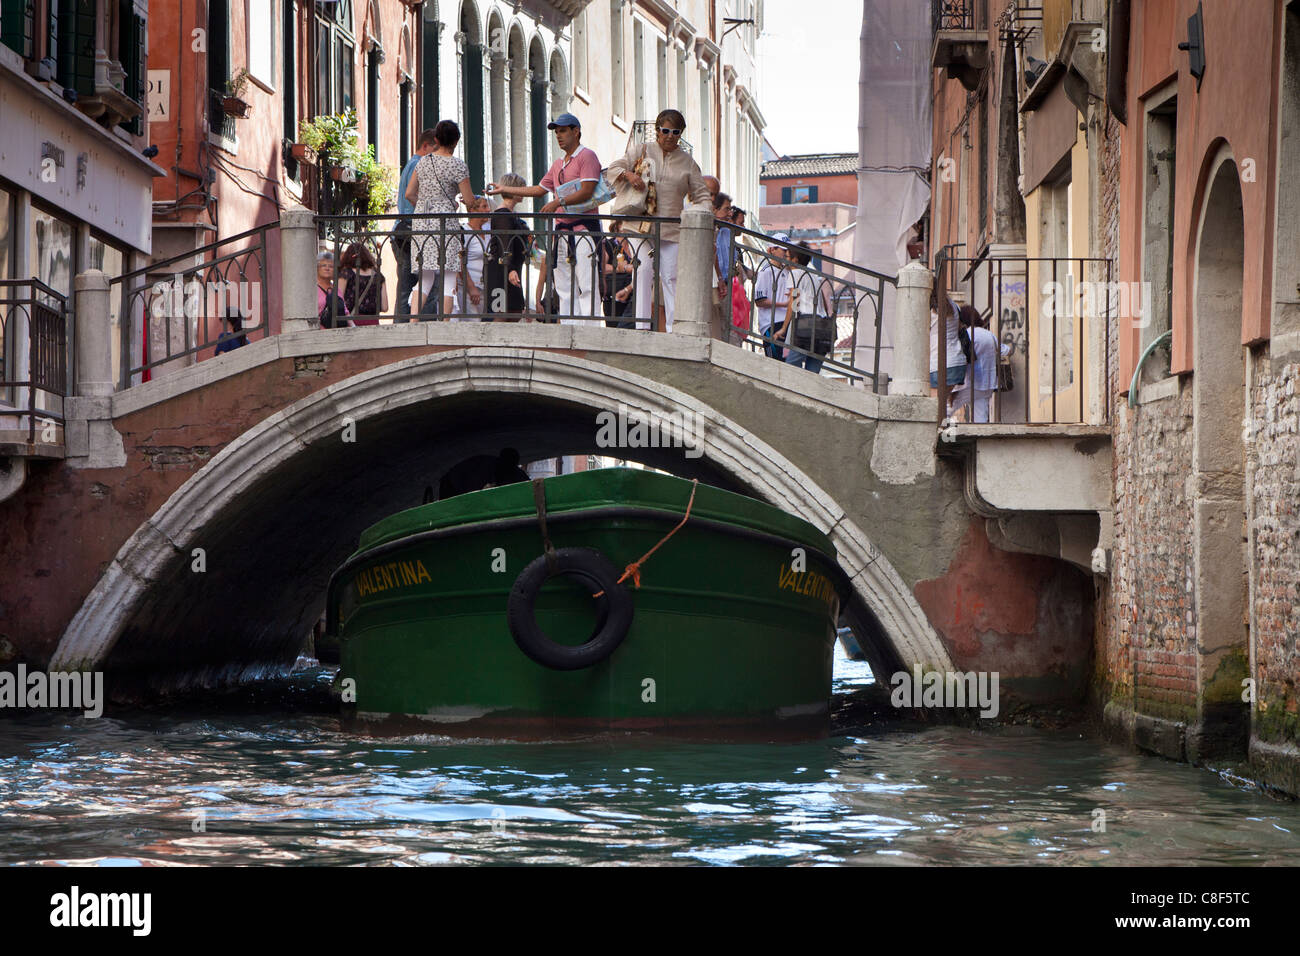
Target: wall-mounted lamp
{"x":1195,"y":46}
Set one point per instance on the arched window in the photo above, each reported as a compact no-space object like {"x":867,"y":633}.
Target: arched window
{"x":336,"y":46}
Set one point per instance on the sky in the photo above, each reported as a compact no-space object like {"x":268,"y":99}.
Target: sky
{"x":808,"y":63}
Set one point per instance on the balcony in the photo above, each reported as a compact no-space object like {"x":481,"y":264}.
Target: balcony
{"x":33,"y":370}
{"x":961,"y":43}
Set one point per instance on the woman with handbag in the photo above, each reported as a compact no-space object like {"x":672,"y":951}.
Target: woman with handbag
{"x":676,"y":177}
{"x":809,"y":323}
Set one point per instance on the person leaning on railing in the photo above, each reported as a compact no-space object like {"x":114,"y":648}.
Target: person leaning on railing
{"x":433,"y":187}
{"x":507,"y":258}
{"x":676,"y":177}
{"x":574,"y":276}
{"x":809,"y":323}
{"x":331,"y":310}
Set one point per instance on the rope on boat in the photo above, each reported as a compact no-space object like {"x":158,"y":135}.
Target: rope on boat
{"x":539,"y":498}
{"x":633,"y":570}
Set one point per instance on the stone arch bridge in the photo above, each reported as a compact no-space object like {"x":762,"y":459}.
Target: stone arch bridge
{"x":243,"y":455}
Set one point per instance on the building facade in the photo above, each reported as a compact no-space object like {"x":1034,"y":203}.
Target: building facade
{"x":1110,"y":186}
{"x":75,"y":187}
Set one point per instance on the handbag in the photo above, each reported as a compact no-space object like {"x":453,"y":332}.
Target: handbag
{"x":1006,"y":375}
{"x":630,"y":201}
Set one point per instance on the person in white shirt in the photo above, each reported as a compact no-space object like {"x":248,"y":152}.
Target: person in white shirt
{"x":469,"y":284}
{"x":772,"y":294}
{"x":956,"y":357}
{"x":808,"y":323}
{"x":982,"y":376}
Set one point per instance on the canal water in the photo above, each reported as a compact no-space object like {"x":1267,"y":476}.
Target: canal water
{"x":284,"y":786}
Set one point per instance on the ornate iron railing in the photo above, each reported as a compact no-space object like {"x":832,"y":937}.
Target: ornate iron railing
{"x":952,"y":14}
{"x":199,"y":303}
{"x":536,"y":268}
{"x":33,"y":350}
{"x":833,"y":301}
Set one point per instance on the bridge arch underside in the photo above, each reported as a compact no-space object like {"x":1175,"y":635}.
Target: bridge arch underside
{"x":282,"y":506}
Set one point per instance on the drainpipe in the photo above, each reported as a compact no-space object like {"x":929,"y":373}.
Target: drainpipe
{"x":1146,"y":354}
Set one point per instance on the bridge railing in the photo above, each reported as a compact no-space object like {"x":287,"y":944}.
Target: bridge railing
{"x":498,"y":267}
{"x":34,"y":363}
{"x":820,"y":312}
{"x":190,"y":306}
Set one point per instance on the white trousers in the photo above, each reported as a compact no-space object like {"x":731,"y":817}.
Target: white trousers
{"x":979,"y":404}
{"x":575,"y":282}
{"x":645,"y":292}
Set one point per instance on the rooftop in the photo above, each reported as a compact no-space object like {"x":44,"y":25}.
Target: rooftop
{"x":810,"y":164}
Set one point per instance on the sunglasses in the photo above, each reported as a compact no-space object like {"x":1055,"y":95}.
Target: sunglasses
{"x":670,"y":132}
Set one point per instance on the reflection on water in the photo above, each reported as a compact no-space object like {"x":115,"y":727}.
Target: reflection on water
{"x":292,"y":789}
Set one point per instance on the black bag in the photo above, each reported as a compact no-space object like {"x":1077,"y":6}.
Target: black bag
{"x":328,"y":320}
{"x":814,"y":333}
{"x":1006,"y":375}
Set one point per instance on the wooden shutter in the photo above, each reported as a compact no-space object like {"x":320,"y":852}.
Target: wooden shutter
{"x":16,"y":25}
{"x":76,"y":68}
{"x":785,"y":195}
{"x":812,"y":193}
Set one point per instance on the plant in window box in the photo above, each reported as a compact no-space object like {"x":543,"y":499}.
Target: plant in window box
{"x":233,"y":102}
{"x":334,"y":138}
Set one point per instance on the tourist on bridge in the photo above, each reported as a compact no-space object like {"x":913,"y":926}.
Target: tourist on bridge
{"x":617,"y":265}
{"x":406,"y":275}
{"x":503,"y":276}
{"x":809,"y":325}
{"x":573,"y":261}
{"x":470,"y":302}
{"x":362,"y":284}
{"x":772,"y":293}
{"x":676,"y":177}
{"x":721,"y":267}
{"x":331,"y":310}
{"x":436,"y":180}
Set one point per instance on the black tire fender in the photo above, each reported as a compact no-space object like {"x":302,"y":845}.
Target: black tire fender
{"x":614,"y":609}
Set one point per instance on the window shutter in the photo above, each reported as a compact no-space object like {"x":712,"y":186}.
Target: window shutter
{"x":812,"y":193}
{"x":137,"y":80}
{"x":16,"y":18}
{"x":785,"y":195}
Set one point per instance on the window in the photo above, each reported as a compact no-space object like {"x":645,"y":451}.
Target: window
{"x":335,"y":55}
{"x":404,"y":132}
{"x":219,"y":68}
{"x":1158,"y":224}
{"x":661,"y":75}
{"x":132,"y":44}
{"x":17,"y":27}
{"x":616,"y":57}
{"x":261,"y":41}
{"x":429,"y":25}
{"x":289,"y":71}
{"x":638,"y":70}
{"x":580,"y":50}
{"x":372,"y":99}
{"x":76,"y":45}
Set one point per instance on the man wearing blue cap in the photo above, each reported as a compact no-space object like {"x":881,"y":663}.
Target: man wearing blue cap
{"x":574,"y":275}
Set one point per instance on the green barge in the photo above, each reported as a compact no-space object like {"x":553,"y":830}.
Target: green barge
{"x":501,"y":613}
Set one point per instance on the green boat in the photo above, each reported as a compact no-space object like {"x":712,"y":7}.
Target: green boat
{"x":513,"y":612}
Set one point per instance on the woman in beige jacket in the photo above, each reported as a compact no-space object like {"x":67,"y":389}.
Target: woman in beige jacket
{"x":676,"y":178}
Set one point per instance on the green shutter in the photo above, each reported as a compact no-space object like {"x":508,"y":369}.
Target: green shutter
{"x":16,"y":24}
{"x":785,"y":195}
{"x":812,"y":193}
{"x":76,"y":68}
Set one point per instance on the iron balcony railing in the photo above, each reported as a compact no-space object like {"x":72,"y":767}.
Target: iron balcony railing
{"x":190,"y":306}
{"x":803,"y":307}
{"x":34,"y":343}
{"x":1052,"y":318}
{"x":952,"y":14}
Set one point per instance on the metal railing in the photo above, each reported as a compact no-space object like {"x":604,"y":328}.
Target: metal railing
{"x":952,"y":14}
{"x":605,"y":273}
{"x":1044,"y":313}
{"x":34,"y":344}
{"x":815,"y":311}
{"x":209,"y":300}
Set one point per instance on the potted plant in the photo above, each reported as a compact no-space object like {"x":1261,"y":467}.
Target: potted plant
{"x":233,"y":102}
{"x":380,"y":193}
{"x":334,"y":139}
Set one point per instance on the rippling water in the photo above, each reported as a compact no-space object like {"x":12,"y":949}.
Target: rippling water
{"x":291,"y":789}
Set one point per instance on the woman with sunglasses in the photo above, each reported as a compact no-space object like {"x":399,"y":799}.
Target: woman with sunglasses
{"x":676,"y":177}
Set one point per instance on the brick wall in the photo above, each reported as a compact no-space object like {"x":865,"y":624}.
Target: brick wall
{"x":1273,"y":463}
